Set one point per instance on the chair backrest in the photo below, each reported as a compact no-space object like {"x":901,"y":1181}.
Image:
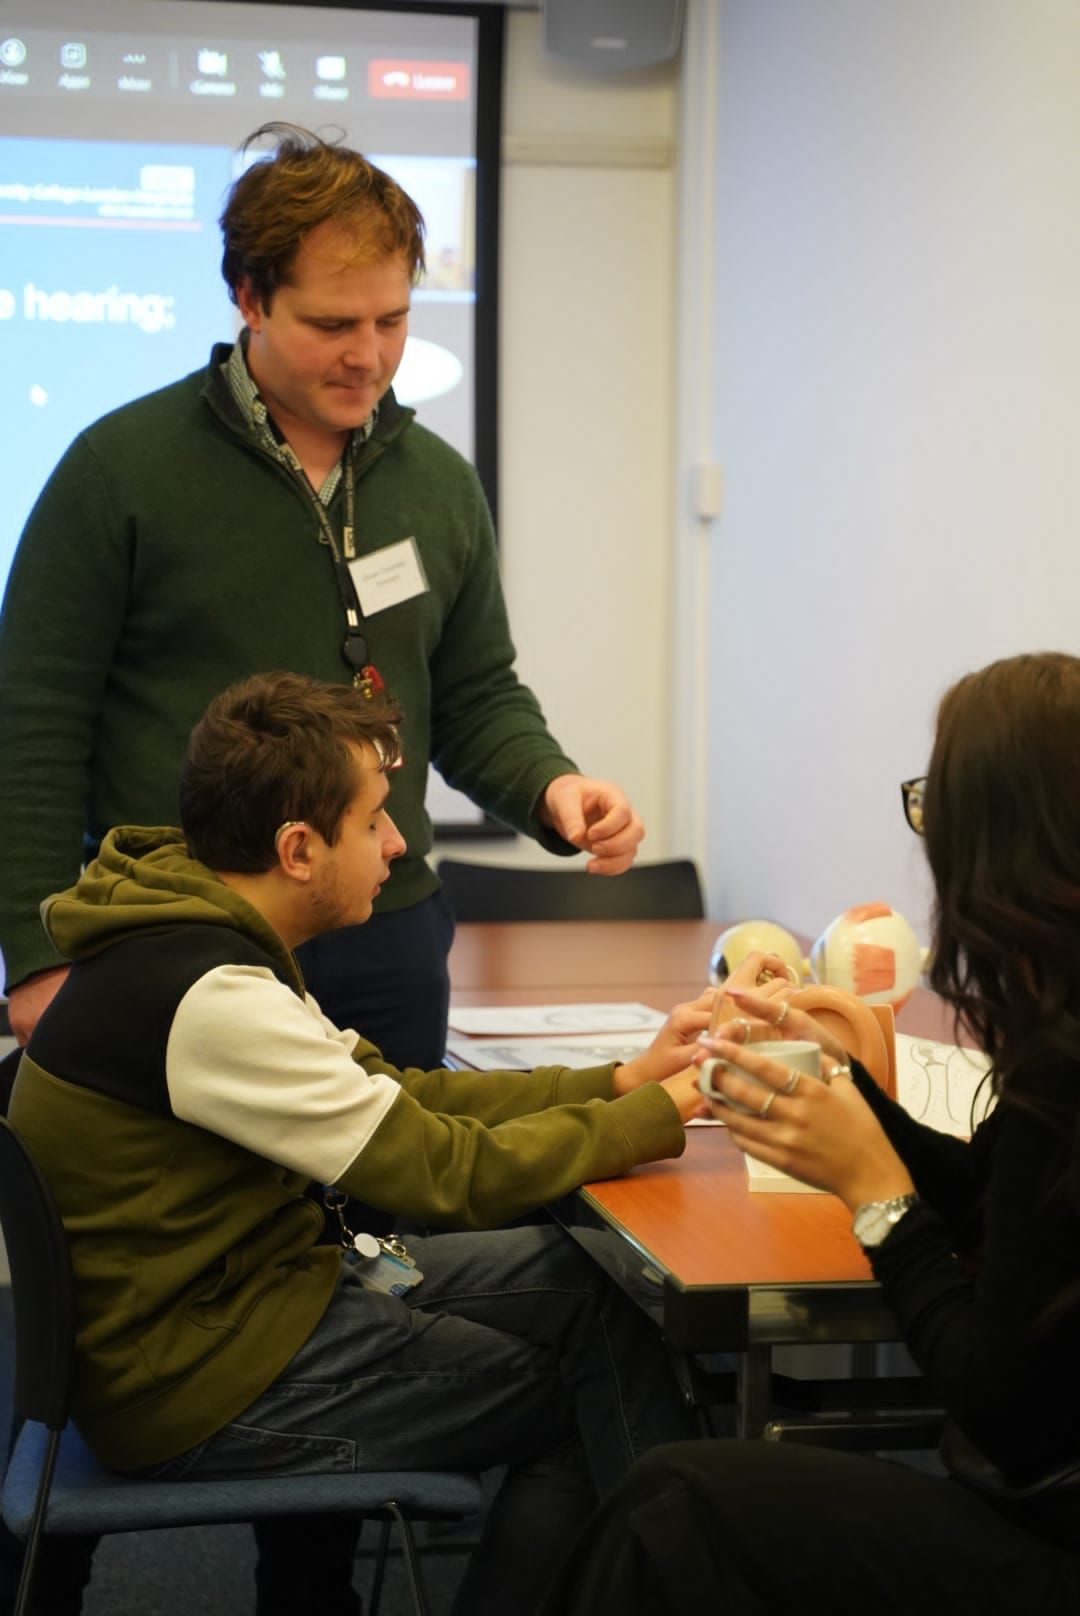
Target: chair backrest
{"x":9,"y":1066}
{"x":670,"y":890}
{"x":41,"y":1286}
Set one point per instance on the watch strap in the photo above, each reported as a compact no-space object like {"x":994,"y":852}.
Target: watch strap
{"x":874,"y":1221}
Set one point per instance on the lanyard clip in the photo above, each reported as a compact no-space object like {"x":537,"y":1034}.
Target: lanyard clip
{"x":368,"y":680}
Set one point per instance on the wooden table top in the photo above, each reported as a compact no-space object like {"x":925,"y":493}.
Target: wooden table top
{"x":694,"y":1217}
{"x":661,"y":962}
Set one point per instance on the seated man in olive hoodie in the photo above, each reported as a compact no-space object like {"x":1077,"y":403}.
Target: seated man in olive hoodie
{"x":208,"y":1094}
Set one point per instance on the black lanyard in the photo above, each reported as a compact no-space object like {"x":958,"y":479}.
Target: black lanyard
{"x":366,"y":676}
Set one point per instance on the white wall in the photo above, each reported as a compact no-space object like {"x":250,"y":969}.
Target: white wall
{"x":587,"y":376}
{"x":896,"y":357}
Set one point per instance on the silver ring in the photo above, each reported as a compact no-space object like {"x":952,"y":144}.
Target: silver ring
{"x":741,"y":1021}
{"x":782,"y":1017}
{"x":769,"y":1098}
{"x":793,"y":1081}
{"x":843,"y":1070}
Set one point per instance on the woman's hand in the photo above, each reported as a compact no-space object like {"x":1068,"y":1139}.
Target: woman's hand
{"x":759,"y":969}
{"x":822,"y":1132}
{"x":769,"y":1013}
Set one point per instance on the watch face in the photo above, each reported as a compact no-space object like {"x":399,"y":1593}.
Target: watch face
{"x":873,"y":1221}
{"x":871,"y":1225}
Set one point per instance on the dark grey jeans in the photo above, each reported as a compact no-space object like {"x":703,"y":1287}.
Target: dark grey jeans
{"x":515,"y":1350}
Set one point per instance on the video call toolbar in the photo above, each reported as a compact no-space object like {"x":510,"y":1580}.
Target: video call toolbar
{"x":111,"y":66}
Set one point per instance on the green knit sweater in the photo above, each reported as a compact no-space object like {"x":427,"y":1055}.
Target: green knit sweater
{"x":170,"y":555}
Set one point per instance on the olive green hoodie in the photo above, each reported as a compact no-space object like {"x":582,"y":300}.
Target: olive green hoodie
{"x":182,"y":1094}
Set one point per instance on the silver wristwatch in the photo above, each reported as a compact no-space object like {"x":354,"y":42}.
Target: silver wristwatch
{"x":876,"y":1219}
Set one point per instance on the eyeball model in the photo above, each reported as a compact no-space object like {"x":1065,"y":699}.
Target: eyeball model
{"x":870,"y":951}
{"x":733,"y":945}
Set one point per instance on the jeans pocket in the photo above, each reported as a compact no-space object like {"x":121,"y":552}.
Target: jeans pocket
{"x":177,"y":1469}
{"x":255,"y":1450}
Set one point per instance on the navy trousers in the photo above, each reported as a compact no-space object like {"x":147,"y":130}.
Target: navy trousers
{"x":388,"y":980}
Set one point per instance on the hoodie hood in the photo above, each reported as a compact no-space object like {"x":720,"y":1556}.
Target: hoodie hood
{"x":144,"y":879}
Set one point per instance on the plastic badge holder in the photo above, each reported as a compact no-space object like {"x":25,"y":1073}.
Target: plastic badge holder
{"x":385,"y":1265}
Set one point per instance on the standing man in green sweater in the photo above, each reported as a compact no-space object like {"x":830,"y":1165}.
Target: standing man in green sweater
{"x":279,"y":509}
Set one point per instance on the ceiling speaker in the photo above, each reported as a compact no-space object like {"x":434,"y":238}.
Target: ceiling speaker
{"x":612,"y":35}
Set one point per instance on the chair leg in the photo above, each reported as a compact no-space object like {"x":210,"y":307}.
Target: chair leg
{"x":33,"y":1537}
{"x":379,"y":1575}
{"x":412,"y":1562}
{"x":881,"y":1434}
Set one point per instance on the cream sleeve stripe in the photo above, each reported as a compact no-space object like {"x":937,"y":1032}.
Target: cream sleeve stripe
{"x":250,"y":1061}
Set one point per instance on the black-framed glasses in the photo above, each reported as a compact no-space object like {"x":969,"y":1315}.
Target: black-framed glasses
{"x":913,"y":792}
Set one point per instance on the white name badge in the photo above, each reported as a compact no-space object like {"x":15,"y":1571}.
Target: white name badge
{"x":388,"y":577}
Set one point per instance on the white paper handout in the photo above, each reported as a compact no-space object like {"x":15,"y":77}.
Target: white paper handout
{"x":554,"y":1020}
{"x":522,"y":1054}
{"x":938,"y":1083}
{"x":761,"y":1176}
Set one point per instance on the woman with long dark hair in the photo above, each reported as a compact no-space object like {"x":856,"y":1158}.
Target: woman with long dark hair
{"x":976,"y":1244}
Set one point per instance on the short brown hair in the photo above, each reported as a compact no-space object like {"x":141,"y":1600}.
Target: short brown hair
{"x":273,"y":748}
{"x":306,"y":182}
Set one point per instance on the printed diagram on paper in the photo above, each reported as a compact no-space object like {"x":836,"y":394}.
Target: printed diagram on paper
{"x":939,"y":1083}
{"x":554,"y":1020}
{"x":522,"y":1054}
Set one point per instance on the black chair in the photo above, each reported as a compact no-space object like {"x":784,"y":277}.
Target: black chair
{"x":875,"y":1414}
{"x":53,"y":1484}
{"x":670,"y":890}
{"x":9,"y":1065}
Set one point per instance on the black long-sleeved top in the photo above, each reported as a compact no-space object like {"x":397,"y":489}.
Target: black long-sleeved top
{"x":973,"y":1268}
